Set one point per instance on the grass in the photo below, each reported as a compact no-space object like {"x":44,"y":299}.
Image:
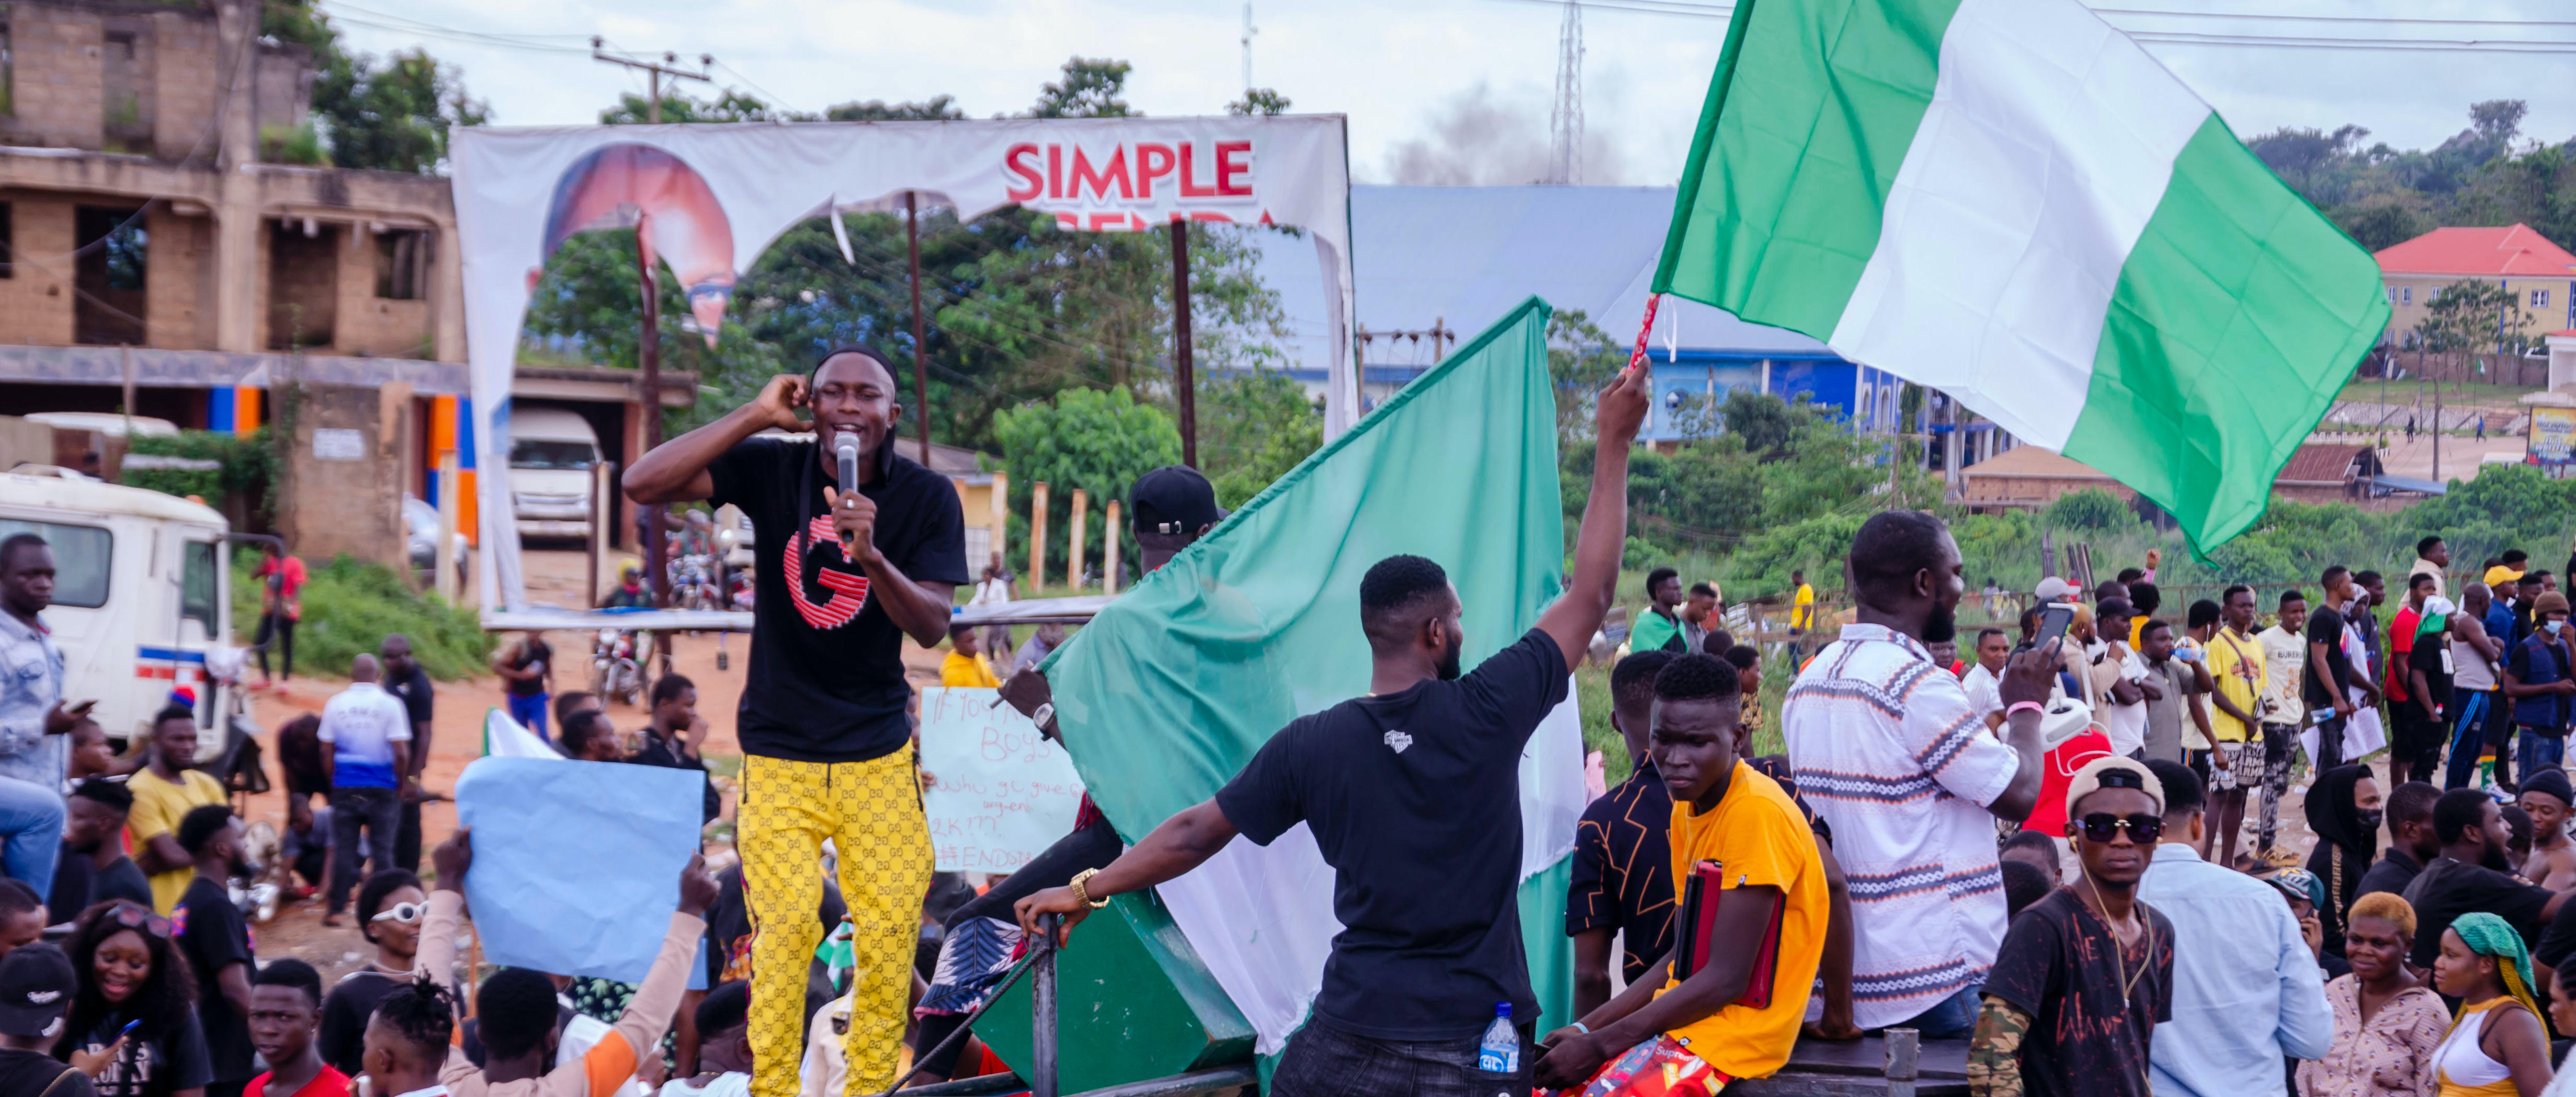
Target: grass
{"x":349,"y":607}
{"x":2403,"y":392}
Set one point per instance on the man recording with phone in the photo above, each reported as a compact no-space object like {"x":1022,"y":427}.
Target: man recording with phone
{"x":858,"y":547}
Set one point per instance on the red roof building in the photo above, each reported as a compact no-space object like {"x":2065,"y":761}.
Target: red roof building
{"x":2540,"y":273}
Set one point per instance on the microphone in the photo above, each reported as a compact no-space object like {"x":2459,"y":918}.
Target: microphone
{"x":846,"y":445}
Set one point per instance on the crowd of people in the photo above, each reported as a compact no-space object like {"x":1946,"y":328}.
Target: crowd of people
{"x":2025,"y":838}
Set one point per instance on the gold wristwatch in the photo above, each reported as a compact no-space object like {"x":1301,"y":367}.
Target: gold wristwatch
{"x":1085,"y":896}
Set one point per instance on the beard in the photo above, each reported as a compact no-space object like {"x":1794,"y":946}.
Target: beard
{"x":1449,"y":658}
{"x":2494,"y":858}
{"x":1941,"y":627}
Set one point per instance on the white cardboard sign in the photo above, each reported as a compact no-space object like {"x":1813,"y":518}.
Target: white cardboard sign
{"x":1003,"y":793}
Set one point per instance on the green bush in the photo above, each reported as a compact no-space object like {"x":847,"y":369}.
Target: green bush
{"x":248,"y":466}
{"x":2091,"y":510}
{"x":349,"y":607}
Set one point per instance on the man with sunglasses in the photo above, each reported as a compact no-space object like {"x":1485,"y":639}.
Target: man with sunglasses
{"x":2086,"y":973}
{"x":2248,"y":963}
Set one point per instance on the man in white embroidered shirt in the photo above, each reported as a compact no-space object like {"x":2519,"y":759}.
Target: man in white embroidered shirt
{"x":1890,"y":752}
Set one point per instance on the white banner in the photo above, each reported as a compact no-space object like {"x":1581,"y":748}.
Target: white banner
{"x":1000,"y":793}
{"x":712,"y":197}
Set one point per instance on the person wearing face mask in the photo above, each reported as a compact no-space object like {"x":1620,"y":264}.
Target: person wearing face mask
{"x":2543,"y":691}
{"x":2344,"y":810}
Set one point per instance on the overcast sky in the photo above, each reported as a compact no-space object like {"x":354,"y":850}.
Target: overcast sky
{"x":1436,"y":90}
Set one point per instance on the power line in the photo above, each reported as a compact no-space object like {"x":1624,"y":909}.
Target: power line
{"x":2337,"y":18}
{"x":772,"y":97}
{"x":2384,"y":45}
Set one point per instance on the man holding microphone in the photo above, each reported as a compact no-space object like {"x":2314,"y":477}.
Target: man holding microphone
{"x":850,"y":562}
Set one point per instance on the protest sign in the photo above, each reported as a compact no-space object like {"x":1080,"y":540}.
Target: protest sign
{"x":577,"y":864}
{"x":1003,"y":793}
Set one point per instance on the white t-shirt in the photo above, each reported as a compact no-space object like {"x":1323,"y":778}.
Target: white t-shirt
{"x":729,"y":1084}
{"x":1985,"y":693}
{"x":2124,"y":725}
{"x":362,"y":724}
{"x":995,"y":591}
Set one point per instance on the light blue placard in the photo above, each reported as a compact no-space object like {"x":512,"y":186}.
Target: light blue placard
{"x":577,"y":864}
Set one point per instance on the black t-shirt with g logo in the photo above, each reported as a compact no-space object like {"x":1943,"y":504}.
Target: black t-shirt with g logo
{"x":826,"y":682}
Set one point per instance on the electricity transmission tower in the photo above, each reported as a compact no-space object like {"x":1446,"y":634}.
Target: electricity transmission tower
{"x":1248,"y":31}
{"x":1565,"y":122}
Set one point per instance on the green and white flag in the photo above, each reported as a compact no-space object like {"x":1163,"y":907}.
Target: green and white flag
{"x":1166,"y":694}
{"x":2010,"y":201}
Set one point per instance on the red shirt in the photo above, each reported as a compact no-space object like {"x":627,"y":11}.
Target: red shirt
{"x":329,"y":1083}
{"x":2401,"y":643}
{"x":2049,"y":817}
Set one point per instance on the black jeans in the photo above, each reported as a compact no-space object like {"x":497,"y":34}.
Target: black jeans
{"x":1323,"y":1061}
{"x":282,"y":627}
{"x":407,"y":838}
{"x":1093,"y":846}
{"x":351,"y":808}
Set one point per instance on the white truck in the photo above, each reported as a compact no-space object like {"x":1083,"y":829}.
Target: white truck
{"x":552,"y":453}
{"x":141,"y":595}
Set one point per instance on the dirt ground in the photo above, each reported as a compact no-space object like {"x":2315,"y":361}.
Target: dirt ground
{"x":457,"y":738}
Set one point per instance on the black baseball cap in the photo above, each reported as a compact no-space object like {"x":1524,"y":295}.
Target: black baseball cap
{"x":1174,"y":499}
{"x":35,"y":989}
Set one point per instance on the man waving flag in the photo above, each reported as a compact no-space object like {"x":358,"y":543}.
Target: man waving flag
{"x":2012,"y":202}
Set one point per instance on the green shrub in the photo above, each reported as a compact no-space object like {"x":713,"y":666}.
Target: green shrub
{"x":2091,"y":510}
{"x":349,"y":607}
{"x":248,"y":466}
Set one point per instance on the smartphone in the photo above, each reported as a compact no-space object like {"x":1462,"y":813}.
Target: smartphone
{"x":2052,"y":626}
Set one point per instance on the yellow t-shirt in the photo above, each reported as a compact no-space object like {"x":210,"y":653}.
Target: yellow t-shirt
{"x":158,"y":807}
{"x":1758,"y":834}
{"x":2237,"y":664}
{"x":2500,"y":574}
{"x":2138,"y":631}
{"x":1802,"y":607}
{"x":967,"y":670}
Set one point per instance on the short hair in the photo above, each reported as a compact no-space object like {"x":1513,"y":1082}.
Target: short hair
{"x":2514,"y":556}
{"x":2108,"y":589}
{"x":2146,"y":596}
{"x":420,"y":1015}
{"x":579,"y":729}
{"x":1987,"y":631}
{"x":862,"y":350}
{"x":1656,"y":578}
{"x":17,"y":898}
{"x":2517,"y":824}
{"x":2366,"y":578}
{"x":1743,"y":656}
{"x":1718,"y":642}
{"x":1633,"y":680}
{"x":371,"y":895}
{"x":2459,"y":811}
{"x":2113,"y":607}
{"x":2024,"y":884}
{"x":2411,"y":802}
{"x":2387,"y":906}
{"x":1396,"y":582}
{"x":2421,"y":579}
{"x":1703,"y":590}
{"x":517,"y":1008}
{"x":291,"y":972}
{"x":16,"y":541}
{"x":1698,"y":678}
{"x":2426,"y":546}
{"x":726,"y":1007}
{"x":955,"y":630}
{"x":172,"y":712}
{"x":2031,"y":840}
{"x":109,"y":793}
{"x":2291,"y":595}
{"x":2536,"y":574}
{"x":2204,"y":612}
{"x":2153,"y":626}
{"x":1892,"y":546}
{"x":2234,"y":589}
{"x":2327,"y":577}
{"x":669,"y":686}
{"x":570,"y":700}
{"x":200,"y":826}
{"x":2183,"y":795}
{"x":2131,"y":575}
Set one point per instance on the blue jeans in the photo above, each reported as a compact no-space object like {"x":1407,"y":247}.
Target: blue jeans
{"x":31,"y":824}
{"x":1955,"y":1018}
{"x":2537,"y":750}
{"x":2468,"y":736}
{"x":530,"y":712}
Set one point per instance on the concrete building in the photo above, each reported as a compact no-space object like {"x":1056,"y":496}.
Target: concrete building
{"x":2030,"y":478}
{"x":2541,"y":274}
{"x":145,"y":250}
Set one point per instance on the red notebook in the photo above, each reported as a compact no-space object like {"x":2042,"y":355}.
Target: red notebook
{"x":1701,"y":893}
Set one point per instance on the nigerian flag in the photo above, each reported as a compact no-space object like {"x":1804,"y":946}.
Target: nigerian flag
{"x":1176,"y":683}
{"x":2010,"y":201}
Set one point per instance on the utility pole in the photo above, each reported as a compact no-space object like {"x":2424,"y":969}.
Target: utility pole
{"x":1182,"y":378}
{"x":1248,"y":31}
{"x":920,"y":347}
{"x":648,"y":344}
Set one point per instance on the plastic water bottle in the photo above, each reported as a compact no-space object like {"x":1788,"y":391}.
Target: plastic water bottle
{"x":1500,"y":1052}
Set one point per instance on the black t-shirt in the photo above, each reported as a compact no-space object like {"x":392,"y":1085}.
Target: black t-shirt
{"x":418,"y":698}
{"x":2058,"y":964}
{"x":147,"y":1066}
{"x":31,"y":1073}
{"x":209,"y":928}
{"x":532,"y":651}
{"x":1623,"y":869}
{"x":2447,"y":889}
{"x":1414,"y":799}
{"x":827,"y":678}
{"x":2325,"y":626}
{"x":2432,"y":655}
{"x":2558,"y":941}
{"x":121,"y":879}
{"x":2395,"y":869}
{"x":666,"y":754}
{"x":74,"y":876}
{"x":342,"y":1040}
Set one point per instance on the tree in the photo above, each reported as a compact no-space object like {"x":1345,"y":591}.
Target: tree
{"x":1090,"y":89}
{"x":2471,"y":317}
{"x":1254,"y":426}
{"x":394,"y":117}
{"x":2091,"y":510}
{"x":728,"y":106}
{"x":1264,"y":101}
{"x":1085,"y":438}
{"x":1764,"y":422}
{"x":1581,"y":361}
{"x":937,"y":108}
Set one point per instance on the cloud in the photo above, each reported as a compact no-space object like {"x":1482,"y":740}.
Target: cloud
{"x":1480,"y":137}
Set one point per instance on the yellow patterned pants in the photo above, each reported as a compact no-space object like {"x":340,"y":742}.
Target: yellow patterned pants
{"x":872,"y":813}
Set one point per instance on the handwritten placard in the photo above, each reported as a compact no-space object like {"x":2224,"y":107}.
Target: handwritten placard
{"x":1002,"y":792}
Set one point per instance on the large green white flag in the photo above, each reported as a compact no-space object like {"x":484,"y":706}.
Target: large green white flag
{"x":1166,"y":694}
{"x":2012,"y":202}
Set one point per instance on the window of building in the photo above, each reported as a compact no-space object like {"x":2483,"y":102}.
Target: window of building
{"x":2392,"y":295}
{"x":402,"y":264}
{"x":2406,"y":295}
{"x":2540,"y":298}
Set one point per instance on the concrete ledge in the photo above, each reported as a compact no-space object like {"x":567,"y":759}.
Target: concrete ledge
{"x":204,"y":369}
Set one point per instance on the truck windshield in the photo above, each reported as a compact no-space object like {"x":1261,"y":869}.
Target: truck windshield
{"x":542,"y":453}
{"x":80,"y":559}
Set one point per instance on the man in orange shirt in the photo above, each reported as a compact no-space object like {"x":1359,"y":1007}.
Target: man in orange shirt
{"x":1682,"y":1033}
